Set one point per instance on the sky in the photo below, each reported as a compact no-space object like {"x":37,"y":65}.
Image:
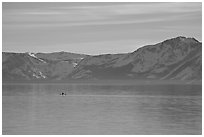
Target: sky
{"x":96,"y":28}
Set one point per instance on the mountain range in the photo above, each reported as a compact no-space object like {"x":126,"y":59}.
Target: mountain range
{"x":177,"y":58}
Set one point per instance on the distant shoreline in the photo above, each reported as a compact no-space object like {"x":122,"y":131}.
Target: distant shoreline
{"x":111,"y":82}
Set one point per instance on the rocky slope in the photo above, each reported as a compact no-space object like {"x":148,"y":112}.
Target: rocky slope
{"x":178,"y":58}
{"x":40,"y":66}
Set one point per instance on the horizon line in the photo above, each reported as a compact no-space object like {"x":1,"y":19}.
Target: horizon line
{"x":44,"y":52}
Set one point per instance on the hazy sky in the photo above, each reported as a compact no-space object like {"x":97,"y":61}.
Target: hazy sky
{"x":96,"y":28}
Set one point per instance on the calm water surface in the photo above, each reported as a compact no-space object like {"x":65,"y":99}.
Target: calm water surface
{"x":101,"y":109}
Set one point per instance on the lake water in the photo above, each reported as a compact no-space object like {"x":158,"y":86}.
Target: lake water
{"x":101,"y":109}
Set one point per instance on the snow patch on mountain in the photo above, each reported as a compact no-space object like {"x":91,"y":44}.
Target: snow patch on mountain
{"x":33,"y":55}
{"x":74,"y":64}
{"x":34,"y":75}
{"x":40,"y":75}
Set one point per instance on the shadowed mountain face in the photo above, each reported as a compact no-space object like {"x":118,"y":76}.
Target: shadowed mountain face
{"x":178,"y":58}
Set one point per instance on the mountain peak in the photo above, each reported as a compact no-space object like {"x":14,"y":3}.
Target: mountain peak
{"x":182,"y":39}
